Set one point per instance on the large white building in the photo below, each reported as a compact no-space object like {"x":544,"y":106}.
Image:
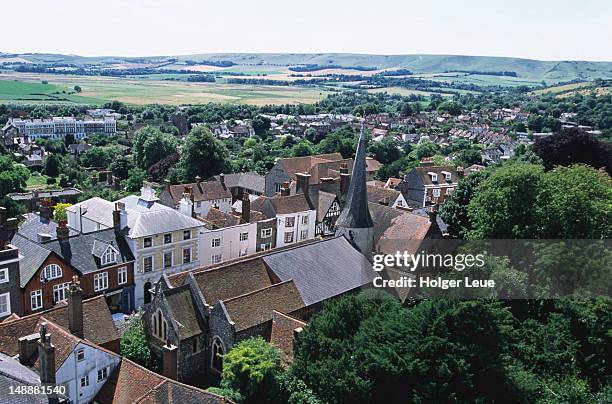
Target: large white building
{"x":57,"y":127}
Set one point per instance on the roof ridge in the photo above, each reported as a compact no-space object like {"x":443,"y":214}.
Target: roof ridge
{"x":258,"y":290}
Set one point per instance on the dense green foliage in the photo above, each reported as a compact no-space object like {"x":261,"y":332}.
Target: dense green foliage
{"x":134,"y":344}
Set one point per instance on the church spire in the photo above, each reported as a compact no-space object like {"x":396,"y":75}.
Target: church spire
{"x":356,"y":213}
{"x":355,"y":222}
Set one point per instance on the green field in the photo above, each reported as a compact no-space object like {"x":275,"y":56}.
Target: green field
{"x":143,"y":90}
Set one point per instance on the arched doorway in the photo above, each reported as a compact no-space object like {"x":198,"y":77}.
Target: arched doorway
{"x":147,"y":293}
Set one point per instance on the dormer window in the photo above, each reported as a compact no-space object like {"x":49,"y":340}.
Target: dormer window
{"x":109,"y":256}
{"x":447,"y":176}
{"x":434,"y":176}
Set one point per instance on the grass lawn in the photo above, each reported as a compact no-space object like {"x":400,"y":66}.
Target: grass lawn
{"x":21,"y":91}
{"x":36,"y":181}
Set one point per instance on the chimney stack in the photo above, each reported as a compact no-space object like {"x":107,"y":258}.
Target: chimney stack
{"x":246,"y":207}
{"x":119,"y":216}
{"x":285,"y":189}
{"x":27,"y":349}
{"x":222,"y":179}
{"x":170,"y":360}
{"x":433,"y":212}
{"x":198,"y":180}
{"x":75,"y":308}
{"x":8,"y":227}
{"x":186,"y":205}
{"x":167,"y":185}
{"x":302,"y":183}
{"x":62,"y":231}
{"x":46,"y":356}
{"x":46,"y":208}
{"x":345,"y":181}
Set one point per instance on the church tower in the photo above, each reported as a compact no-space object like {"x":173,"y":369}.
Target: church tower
{"x":355,"y":222}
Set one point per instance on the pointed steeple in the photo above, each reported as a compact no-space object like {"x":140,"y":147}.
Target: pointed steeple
{"x":356,"y":214}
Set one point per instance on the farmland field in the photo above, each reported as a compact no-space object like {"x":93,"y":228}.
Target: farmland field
{"x":97,"y":90}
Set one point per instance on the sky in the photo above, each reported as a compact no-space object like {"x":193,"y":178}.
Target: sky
{"x":536,"y":29}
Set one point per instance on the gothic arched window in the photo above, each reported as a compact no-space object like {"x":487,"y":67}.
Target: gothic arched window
{"x":217,"y":354}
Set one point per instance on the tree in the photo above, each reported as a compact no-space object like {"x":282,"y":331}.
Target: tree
{"x":574,"y":203}
{"x":504,"y":203}
{"x":303,"y":148}
{"x":78,"y":89}
{"x":203,"y":155}
{"x":455,"y":210}
{"x":99,"y":156}
{"x":426,"y":149}
{"x":261,"y":125}
{"x":342,"y":141}
{"x":251,"y":368}
{"x":571,"y":146}
{"x":467,"y":157}
{"x":134,"y":344}
{"x":52,"y":166}
{"x":59,"y":211}
{"x":120,"y":167}
{"x":156,"y":147}
{"x":13,"y":176}
{"x":135,"y":178}
{"x":449,"y":107}
{"x":385,"y":151}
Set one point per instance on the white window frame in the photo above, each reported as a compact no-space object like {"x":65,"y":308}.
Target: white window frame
{"x":4,"y":275}
{"x":265,"y":246}
{"x":434,"y":192}
{"x":80,"y":355}
{"x":215,"y":242}
{"x":100,"y":281}
{"x":36,"y":296}
{"x":305,"y":219}
{"x":187,"y":233}
{"x":216,"y":258}
{"x":144,"y":242}
{"x":266,"y":232}
{"x":109,"y":256}
{"x":85,"y":381}
{"x":244,"y":236}
{"x":164,"y":238}
{"x":7,"y":302}
{"x":304,"y":234}
{"x":53,"y":270}
{"x":122,"y":276}
{"x":449,"y":191}
{"x":285,"y":237}
{"x":243,"y":251}
{"x":102,"y":374}
{"x":290,"y":221}
{"x":58,"y":289}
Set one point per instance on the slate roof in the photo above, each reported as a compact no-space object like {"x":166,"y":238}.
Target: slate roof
{"x":170,"y":391}
{"x":356,"y":213}
{"x":323,"y":269}
{"x":278,"y":204}
{"x":83,"y":252}
{"x":423,"y":171}
{"x":232,"y":280}
{"x":34,"y":224}
{"x":22,"y":196}
{"x":205,"y":191}
{"x":33,"y":257}
{"x":98,"y":326}
{"x":181,"y":305}
{"x":382,"y":217}
{"x":13,"y":374}
{"x":255,"y":308}
{"x":248,"y":180}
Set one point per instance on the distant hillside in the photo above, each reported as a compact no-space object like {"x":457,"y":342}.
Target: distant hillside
{"x":550,"y":71}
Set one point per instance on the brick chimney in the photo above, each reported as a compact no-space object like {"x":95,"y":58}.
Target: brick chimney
{"x":27,"y":349}
{"x":186,"y":205}
{"x":167,"y":185}
{"x":170,"y":360}
{"x":345,"y":181}
{"x":285,"y":189}
{"x":46,"y":356}
{"x":198,"y":181}
{"x":75,"y":308}
{"x":222,"y":180}
{"x":246,"y":207}
{"x":46,"y":208}
{"x":8,"y":227}
{"x":302,"y":183}
{"x":62,"y":230}
{"x":119,"y":216}
{"x":433,"y":212}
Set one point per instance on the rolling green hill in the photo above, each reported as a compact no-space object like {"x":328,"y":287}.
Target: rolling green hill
{"x":550,"y":71}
